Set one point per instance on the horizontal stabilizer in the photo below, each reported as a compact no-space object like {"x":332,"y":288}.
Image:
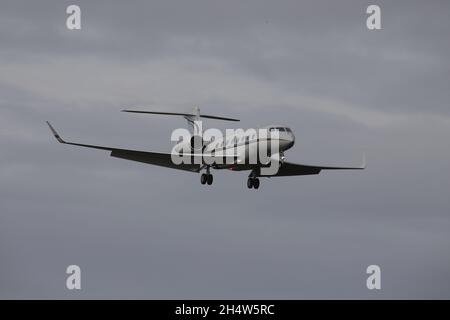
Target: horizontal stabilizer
{"x":182,"y":114}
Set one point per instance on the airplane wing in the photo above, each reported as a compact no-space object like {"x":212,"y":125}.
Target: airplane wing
{"x":155,"y":158}
{"x":295,"y":169}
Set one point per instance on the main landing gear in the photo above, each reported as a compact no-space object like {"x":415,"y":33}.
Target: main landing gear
{"x":206,"y":177}
{"x":252,"y":183}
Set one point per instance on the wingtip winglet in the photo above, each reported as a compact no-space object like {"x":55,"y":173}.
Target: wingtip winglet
{"x":363,"y":165}
{"x":57,"y":136}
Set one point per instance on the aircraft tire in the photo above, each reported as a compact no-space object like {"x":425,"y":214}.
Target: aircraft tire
{"x":256,"y":183}
{"x":209,"y":179}
{"x":249,"y":183}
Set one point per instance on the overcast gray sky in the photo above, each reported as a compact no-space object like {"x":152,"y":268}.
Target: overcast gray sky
{"x":139,"y":231}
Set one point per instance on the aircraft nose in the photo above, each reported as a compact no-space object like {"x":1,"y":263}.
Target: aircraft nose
{"x":291,"y":140}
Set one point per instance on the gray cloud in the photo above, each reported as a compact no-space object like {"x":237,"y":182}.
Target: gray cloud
{"x":146,"y":232}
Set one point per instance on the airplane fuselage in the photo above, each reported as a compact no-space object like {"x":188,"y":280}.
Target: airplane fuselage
{"x":245,"y":145}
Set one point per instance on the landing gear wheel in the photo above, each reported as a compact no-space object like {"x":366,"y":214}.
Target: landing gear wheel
{"x":209,"y":179}
{"x":203,"y":178}
{"x":249,"y":183}
{"x":256,"y":183}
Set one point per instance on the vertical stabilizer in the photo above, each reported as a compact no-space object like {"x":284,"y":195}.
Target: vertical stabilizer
{"x":191,"y":119}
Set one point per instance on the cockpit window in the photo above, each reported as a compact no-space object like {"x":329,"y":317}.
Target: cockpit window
{"x":281,"y":129}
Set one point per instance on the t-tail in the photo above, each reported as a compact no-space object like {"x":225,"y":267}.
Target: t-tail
{"x":195,"y":115}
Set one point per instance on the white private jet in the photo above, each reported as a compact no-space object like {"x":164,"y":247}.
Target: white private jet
{"x":242,"y":146}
